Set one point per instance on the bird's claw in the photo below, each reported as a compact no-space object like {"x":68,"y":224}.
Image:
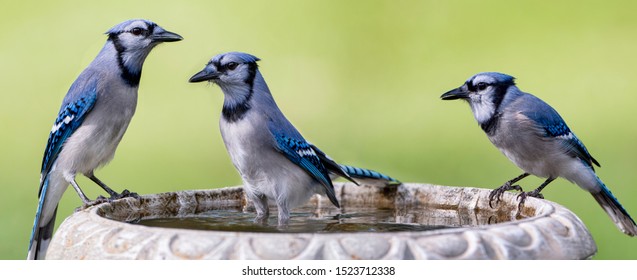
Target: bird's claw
{"x":261,"y":219}
{"x":124,"y":194}
{"x":523,"y":195}
{"x":99,"y":200}
{"x":497,"y":193}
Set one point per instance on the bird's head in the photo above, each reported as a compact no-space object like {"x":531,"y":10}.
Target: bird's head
{"x":133,"y":40}
{"x":139,"y":34}
{"x":481,"y":86}
{"x":229,"y":70}
{"x":484,"y":92}
{"x":235,"y":73}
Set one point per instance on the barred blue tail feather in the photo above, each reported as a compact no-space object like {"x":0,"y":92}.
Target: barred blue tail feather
{"x":615,"y":211}
{"x":367,"y":174}
{"x":41,"y":236}
{"x":40,"y":239}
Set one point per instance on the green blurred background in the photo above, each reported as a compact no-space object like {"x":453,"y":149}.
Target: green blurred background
{"x":361,"y":79}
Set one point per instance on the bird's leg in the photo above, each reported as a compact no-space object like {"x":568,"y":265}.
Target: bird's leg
{"x":79,"y":191}
{"x":284,"y":215}
{"x":110,"y":191}
{"x":261,"y":206}
{"x":534,"y":193}
{"x":497,"y":193}
{"x":114,"y":195}
{"x":86,"y":202}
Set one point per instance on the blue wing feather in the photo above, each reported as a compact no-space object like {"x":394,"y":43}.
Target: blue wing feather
{"x":350,"y":172}
{"x":554,"y":127}
{"x":331,"y":165}
{"x":69,"y":118}
{"x":301,"y":153}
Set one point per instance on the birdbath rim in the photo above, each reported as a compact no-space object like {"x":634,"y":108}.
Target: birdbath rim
{"x":542,"y":230}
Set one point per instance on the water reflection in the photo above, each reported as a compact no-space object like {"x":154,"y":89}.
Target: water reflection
{"x":310,"y":219}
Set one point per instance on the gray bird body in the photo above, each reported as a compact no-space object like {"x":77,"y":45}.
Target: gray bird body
{"x":94,"y":143}
{"x":92,"y":120}
{"x":529,"y":149}
{"x":534,"y":137}
{"x":274,"y":160}
{"x":264,"y":170}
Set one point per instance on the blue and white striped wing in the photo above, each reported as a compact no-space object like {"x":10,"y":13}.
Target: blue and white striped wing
{"x":301,"y":153}
{"x":68,"y":120}
{"x":554,"y":127}
{"x":331,"y":165}
{"x":76,"y":106}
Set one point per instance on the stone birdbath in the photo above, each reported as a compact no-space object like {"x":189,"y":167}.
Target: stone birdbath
{"x":468,"y":228}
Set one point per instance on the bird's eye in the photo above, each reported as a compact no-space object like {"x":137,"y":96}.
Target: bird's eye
{"x":137,"y":31}
{"x":482,"y":86}
{"x":232,"y":65}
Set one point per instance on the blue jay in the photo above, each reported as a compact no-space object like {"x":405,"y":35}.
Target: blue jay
{"x":92,"y":120}
{"x":274,"y":160}
{"x":534,"y":137}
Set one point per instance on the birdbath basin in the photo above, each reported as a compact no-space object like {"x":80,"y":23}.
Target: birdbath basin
{"x":458,"y":224}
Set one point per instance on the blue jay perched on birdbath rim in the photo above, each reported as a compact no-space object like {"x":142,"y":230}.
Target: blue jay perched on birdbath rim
{"x":275,"y":162}
{"x":92,"y":120}
{"x":534,"y":137}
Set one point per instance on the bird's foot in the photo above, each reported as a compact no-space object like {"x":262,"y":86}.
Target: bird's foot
{"x":523,"y":195}
{"x":101,"y":199}
{"x":284,"y":221}
{"x":261,"y":219}
{"x":124,"y":194}
{"x":86,"y":204}
{"x":497,"y":193}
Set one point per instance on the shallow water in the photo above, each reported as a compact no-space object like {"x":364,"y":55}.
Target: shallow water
{"x":309,"y":220}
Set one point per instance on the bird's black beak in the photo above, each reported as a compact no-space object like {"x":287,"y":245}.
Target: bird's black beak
{"x":204,"y":75}
{"x":457,"y":93}
{"x":166,"y":36}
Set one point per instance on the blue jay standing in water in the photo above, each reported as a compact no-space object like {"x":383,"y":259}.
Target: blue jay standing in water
{"x":274,"y":160}
{"x":92,"y":120}
{"x":534,"y":136}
